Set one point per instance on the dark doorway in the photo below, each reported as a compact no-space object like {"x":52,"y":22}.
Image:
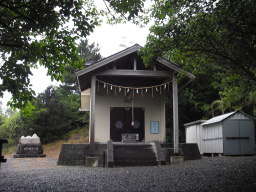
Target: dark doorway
{"x":121,"y":122}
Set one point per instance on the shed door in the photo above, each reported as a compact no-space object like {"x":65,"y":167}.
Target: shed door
{"x":246,"y":135}
{"x":121,"y":122}
{"x":231,"y":133}
{"x":238,"y":137}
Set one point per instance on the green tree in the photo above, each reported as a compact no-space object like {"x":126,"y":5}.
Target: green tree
{"x":39,"y":32}
{"x":12,"y":128}
{"x":55,"y":111}
{"x":211,"y":38}
{"x":88,"y":53}
{"x":43,"y":33}
{"x":122,"y":11}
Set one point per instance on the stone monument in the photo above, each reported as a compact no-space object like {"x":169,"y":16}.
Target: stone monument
{"x":29,"y":146}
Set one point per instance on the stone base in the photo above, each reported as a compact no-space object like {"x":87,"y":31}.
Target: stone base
{"x":112,"y":154}
{"x":82,"y":154}
{"x":2,"y":159}
{"x":28,"y":155}
{"x":176,"y":159}
{"x":191,"y":151}
{"x":91,"y":161}
{"x":29,"y":150}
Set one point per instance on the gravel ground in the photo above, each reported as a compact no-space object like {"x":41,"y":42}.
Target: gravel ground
{"x":208,"y":174}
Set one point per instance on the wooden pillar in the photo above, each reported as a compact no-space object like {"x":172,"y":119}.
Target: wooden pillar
{"x":154,"y":68}
{"x":134,"y":64}
{"x":92,"y":110}
{"x":175,"y":114}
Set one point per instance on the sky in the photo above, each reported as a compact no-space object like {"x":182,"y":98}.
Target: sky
{"x":110,"y":39}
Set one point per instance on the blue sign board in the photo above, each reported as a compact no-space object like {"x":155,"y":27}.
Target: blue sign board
{"x":154,"y":127}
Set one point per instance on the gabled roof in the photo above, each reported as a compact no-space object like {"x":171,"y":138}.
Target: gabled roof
{"x":125,"y":52}
{"x":219,"y":118}
{"x":109,"y":59}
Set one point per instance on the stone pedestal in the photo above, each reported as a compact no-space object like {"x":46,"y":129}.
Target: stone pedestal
{"x":29,"y":147}
{"x":29,"y":150}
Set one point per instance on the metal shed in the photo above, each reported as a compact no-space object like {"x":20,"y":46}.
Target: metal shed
{"x":229,"y":134}
{"x":194,"y":133}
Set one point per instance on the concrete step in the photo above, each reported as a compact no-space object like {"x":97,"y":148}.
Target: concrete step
{"x":134,"y":155}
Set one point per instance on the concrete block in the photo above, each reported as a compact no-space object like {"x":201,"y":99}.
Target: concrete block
{"x":91,"y":161}
{"x":176,"y":159}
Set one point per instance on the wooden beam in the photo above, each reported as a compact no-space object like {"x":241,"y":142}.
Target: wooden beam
{"x":175,"y":114}
{"x":92,"y":110}
{"x":137,"y":73}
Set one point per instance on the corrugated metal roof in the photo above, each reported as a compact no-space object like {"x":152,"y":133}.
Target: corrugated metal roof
{"x":219,"y":118}
{"x":194,"y":123}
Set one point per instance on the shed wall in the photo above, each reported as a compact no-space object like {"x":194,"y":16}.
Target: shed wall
{"x":238,"y":135}
{"x":154,"y":109}
{"x":194,"y":134}
{"x":213,"y":138}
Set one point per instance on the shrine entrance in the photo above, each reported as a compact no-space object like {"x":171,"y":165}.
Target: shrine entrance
{"x":126,"y":120}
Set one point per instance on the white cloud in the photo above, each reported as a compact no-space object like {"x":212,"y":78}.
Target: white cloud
{"x":114,"y":38}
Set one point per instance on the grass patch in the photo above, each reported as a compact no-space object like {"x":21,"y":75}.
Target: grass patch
{"x":52,"y":150}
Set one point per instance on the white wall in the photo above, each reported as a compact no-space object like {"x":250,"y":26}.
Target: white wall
{"x":194,"y":134}
{"x":85,"y":100}
{"x":213,"y":138}
{"x":154,"y":111}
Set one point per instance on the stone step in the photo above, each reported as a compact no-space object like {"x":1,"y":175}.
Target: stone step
{"x":130,"y":154}
{"x":135,"y":163}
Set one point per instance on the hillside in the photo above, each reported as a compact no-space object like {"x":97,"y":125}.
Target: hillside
{"x":52,"y":150}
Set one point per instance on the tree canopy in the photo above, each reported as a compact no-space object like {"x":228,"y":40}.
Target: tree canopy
{"x":53,"y":112}
{"x":213,"y":39}
{"x":40,"y":32}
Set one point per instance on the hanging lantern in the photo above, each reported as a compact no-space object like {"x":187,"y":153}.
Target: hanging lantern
{"x":156,"y":89}
{"x":111,"y":87}
{"x":120,"y":89}
{"x":128,"y":90}
{"x":137,"y":91}
{"x":146,"y":90}
{"x":165,"y":86}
